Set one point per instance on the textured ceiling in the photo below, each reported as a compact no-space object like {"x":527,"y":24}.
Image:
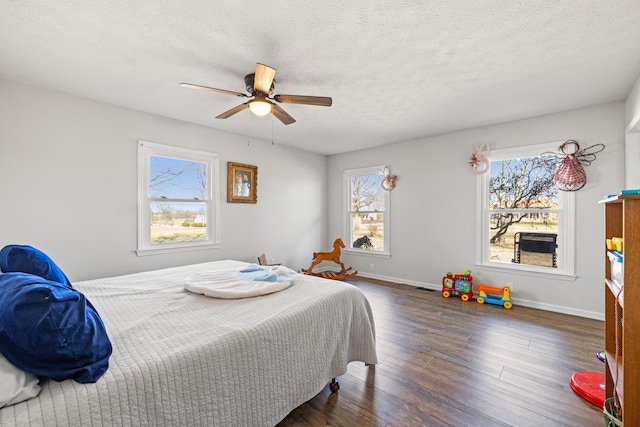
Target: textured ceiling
{"x":396,"y":70}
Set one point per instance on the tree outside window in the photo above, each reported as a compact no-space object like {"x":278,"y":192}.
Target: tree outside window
{"x":522,"y":199}
{"x":525,"y":221}
{"x":176,"y":193}
{"x":367,"y":212}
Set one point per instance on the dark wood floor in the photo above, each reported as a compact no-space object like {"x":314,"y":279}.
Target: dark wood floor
{"x":445,"y":362}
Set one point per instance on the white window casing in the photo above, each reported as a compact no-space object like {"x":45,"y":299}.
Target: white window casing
{"x":210,"y":198}
{"x":373,"y":174}
{"x":566,"y":221}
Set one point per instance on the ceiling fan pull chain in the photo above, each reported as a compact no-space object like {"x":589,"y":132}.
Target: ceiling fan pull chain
{"x":248,"y":139}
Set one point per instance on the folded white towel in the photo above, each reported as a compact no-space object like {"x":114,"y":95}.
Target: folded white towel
{"x":232,"y":284}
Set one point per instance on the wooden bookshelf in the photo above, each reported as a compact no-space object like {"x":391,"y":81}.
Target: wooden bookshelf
{"x":622,"y":219}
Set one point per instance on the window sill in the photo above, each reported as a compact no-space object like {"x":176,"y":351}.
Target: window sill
{"x":364,"y":252}
{"x":543,"y":272}
{"x":176,"y":249}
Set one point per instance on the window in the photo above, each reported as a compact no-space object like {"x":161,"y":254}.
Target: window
{"x":177,"y":199}
{"x":525,"y":222}
{"x":367,"y":211}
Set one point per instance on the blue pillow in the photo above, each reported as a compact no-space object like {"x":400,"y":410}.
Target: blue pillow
{"x":27,"y":259}
{"x":51,"y":330}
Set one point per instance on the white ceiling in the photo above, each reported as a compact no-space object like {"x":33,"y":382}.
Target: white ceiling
{"x":396,"y":70}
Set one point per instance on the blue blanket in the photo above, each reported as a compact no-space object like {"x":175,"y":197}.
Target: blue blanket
{"x":265,"y":273}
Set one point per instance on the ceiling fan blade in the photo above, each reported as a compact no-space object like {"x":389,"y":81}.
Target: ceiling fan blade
{"x":282,"y":115}
{"x":323,"y":101}
{"x":228,"y":92}
{"x":263,"y":78}
{"x":233,"y":111}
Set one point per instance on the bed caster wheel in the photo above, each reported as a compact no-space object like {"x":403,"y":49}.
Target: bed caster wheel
{"x":334,"y":386}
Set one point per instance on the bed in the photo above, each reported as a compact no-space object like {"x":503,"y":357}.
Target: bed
{"x":181,"y":358}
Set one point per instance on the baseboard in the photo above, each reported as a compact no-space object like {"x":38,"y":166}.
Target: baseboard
{"x":516,"y":301}
{"x":559,"y":309}
{"x":401,"y":281}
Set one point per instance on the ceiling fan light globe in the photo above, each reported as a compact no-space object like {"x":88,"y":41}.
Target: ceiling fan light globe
{"x":260,"y":108}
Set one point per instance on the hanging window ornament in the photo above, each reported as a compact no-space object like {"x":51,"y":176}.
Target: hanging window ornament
{"x":388,"y":182}
{"x":570,"y":174}
{"x":479,"y":161}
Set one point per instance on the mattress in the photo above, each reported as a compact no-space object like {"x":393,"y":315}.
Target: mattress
{"x":186,"y":359}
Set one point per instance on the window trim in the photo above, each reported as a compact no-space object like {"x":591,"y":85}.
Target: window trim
{"x":346,"y":219}
{"x":566,"y":221}
{"x":148,"y":149}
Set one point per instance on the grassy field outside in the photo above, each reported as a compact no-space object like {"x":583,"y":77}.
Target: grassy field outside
{"x":177,"y":234}
{"x":503,"y":249}
{"x":373,"y":229}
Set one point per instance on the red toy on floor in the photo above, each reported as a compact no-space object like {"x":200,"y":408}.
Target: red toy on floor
{"x":458,"y":284}
{"x":590,"y":386}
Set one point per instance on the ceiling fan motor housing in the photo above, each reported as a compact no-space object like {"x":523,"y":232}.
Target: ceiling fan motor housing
{"x":248,"y":81}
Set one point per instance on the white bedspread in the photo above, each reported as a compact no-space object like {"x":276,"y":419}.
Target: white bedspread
{"x":181,"y":359}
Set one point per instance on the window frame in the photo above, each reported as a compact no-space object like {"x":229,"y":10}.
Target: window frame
{"x":347,"y":226}
{"x":146,"y":150}
{"x":566,"y":221}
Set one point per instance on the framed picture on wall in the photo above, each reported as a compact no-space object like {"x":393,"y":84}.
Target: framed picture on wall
{"x":242,"y":183}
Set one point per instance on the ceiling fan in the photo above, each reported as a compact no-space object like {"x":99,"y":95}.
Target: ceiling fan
{"x":260,"y":86}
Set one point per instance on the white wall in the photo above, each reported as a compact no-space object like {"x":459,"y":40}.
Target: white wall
{"x":433,"y":206}
{"x":632,"y":138}
{"x":68,"y":173}
{"x":68,"y":168}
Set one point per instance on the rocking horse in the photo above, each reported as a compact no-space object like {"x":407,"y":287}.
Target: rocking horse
{"x":333,"y":256}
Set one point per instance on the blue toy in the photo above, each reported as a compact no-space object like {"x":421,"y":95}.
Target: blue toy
{"x":498,"y":296}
